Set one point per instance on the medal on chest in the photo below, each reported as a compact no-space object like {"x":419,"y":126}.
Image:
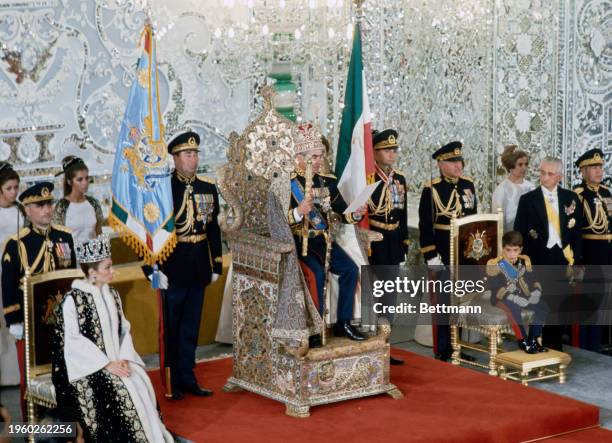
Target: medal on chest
{"x":205,"y":205}
{"x":468,"y":199}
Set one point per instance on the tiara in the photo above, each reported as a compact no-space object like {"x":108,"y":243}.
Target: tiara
{"x":94,"y":250}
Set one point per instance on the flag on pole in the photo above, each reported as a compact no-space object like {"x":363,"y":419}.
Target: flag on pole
{"x":355,"y":158}
{"x":142,"y":208}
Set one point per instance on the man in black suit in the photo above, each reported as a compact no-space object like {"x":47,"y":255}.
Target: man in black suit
{"x":450,"y":195}
{"x":550,"y":220}
{"x":596,"y":239}
{"x":194,"y":264}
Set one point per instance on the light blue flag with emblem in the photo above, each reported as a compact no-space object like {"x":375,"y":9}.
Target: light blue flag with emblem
{"x":142,"y":208}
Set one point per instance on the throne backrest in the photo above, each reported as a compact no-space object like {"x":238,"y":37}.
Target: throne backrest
{"x":474,"y":240}
{"x":44,"y":293}
{"x":263,"y":154}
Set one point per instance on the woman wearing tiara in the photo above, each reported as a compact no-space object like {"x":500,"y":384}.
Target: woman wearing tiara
{"x":96,"y":368}
{"x":78,"y":211}
{"x":11,"y":220}
{"x":507,"y":194}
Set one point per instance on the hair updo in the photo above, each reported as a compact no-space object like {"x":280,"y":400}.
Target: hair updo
{"x":511,"y":155}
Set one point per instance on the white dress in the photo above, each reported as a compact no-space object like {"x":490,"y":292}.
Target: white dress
{"x":83,"y":357}
{"x":9,"y":369}
{"x":81,"y":219}
{"x":506,"y":196}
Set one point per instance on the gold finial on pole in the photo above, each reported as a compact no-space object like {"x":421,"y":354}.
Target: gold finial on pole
{"x":358,"y":10}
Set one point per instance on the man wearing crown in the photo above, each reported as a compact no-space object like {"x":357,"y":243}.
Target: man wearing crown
{"x":596,"y":202}
{"x":40,"y":248}
{"x":387,"y":212}
{"x":450,"y":195}
{"x":319,"y":209}
{"x":194,"y":264}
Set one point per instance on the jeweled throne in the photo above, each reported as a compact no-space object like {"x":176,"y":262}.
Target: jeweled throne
{"x":273,"y":312}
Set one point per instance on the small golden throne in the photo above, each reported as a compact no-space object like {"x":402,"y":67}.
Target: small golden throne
{"x":474,"y":240}
{"x":273,"y":313}
{"x":41,"y":295}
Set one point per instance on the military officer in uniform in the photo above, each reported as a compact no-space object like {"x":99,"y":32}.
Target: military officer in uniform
{"x":550,"y":221}
{"x":451,"y":194}
{"x":318,"y":208}
{"x":193,"y":264}
{"x":387,"y":212}
{"x":596,"y":234}
{"x":42,"y":247}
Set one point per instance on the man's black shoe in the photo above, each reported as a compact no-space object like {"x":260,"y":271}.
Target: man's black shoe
{"x":395,"y":361}
{"x":538,"y":347}
{"x":526,"y":346}
{"x":314,"y":341}
{"x":177,"y":395}
{"x":345,"y":329}
{"x":443,"y":356}
{"x":198,"y":391}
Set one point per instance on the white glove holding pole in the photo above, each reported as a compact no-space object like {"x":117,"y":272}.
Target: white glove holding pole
{"x":214,"y":277}
{"x":435,"y":261}
{"x":522,"y":302}
{"x":162,"y":280}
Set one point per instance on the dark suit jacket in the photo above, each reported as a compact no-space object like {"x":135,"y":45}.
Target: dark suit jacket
{"x":532,"y":222}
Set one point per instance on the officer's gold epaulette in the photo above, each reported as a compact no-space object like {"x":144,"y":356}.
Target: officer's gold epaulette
{"x":206,"y":179}
{"x":607,"y":188}
{"x":62,"y":228}
{"x":397,"y":172}
{"x":22,"y":233}
{"x":326,"y":175}
{"x":371,"y":178}
{"x":492,"y":268}
{"x":435,"y":181}
{"x":467,"y":177}
{"x":578,"y":189}
{"x":527,"y":261}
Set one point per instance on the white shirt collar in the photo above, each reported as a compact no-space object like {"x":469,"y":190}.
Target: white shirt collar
{"x":548,"y":193}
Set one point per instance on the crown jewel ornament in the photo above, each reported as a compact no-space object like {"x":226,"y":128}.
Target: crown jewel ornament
{"x":94,"y":250}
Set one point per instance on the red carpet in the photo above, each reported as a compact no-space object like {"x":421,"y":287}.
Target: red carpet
{"x":442,"y":403}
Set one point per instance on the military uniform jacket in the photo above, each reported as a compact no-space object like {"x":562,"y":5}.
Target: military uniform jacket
{"x":597,"y":226}
{"x":328,"y":202}
{"x":440,"y":199}
{"x":198,"y":252}
{"x":44,"y":253}
{"x":504,"y":278}
{"x":532,"y":222}
{"x":388,"y":214}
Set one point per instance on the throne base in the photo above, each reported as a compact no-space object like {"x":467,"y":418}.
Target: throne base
{"x":341,"y":370}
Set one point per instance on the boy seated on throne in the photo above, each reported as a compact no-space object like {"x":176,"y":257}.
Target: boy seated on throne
{"x":514,"y":289}
{"x":310,"y":215}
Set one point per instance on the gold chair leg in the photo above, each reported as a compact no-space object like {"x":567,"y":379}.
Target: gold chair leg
{"x":524,"y":375}
{"x":502,"y":372}
{"x":493,"y":352}
{"x":562,"y":374}
{"x":456,"y":345}
{"x":297,"y":411}
{"x":231,"y":387}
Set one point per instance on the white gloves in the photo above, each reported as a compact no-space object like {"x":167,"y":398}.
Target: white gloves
{"x":16,"y":330}
{"x":522,"y":302}
{"x":214,"y":277}
{"x":436,"y":261}
{"x":163,"y":279}
{"x":535,"y":296}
